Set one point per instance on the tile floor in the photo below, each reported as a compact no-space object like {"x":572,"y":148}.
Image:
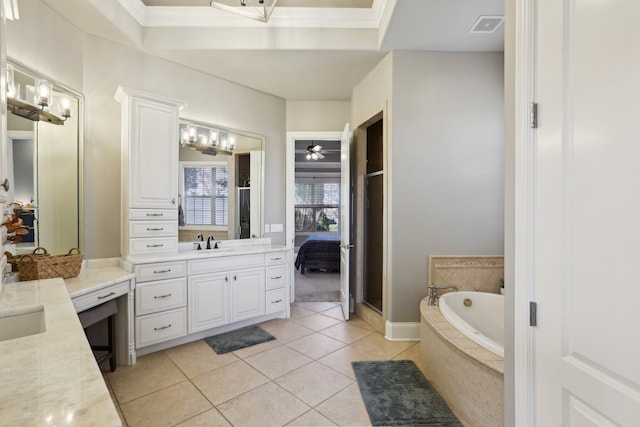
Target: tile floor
{"x":303,"y":378}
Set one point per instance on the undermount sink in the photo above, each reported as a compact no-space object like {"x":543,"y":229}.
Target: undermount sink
{"x":22,"y":322}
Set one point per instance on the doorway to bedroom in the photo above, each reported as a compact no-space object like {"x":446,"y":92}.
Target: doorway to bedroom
{"x":317,"y":219}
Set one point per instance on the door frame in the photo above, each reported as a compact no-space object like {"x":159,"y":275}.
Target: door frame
{"x":523,"y":209}
{"x":290,"y":179}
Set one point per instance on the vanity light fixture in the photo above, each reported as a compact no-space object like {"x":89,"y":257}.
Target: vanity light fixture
{"x":43,"y":98}
{"x":207,"y":140}
{"x":259,"y":10}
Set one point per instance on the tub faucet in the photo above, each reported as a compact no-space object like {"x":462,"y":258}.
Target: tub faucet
{"x":209,"y":239}
{"x":433,"y":292}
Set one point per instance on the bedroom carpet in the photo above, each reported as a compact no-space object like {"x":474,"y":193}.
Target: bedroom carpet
{"x":317,"y":286}
{"x":396,"y":393}
{"x":238,"y":339}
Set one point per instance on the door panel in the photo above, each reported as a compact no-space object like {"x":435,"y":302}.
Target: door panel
{"x":345,"y":220}
{"x":586,"y":218}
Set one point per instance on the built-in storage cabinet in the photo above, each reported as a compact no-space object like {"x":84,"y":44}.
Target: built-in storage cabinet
{"x":149,"y":172}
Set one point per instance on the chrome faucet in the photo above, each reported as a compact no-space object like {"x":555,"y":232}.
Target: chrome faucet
{"x":433,"y":292}
{"x":209,"y":239}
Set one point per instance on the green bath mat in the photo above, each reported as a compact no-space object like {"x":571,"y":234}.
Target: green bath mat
{"x":238,"y":339}
{"x":397,"y":394}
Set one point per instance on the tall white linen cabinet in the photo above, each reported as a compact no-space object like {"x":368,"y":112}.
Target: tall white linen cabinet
{"x":149,"y":172}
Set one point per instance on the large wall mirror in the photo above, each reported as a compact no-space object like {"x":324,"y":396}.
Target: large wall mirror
{"x":221,"y":182}
{"x":44,"y":167}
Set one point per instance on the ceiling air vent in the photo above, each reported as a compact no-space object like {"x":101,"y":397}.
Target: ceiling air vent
{"x":486,"y":24}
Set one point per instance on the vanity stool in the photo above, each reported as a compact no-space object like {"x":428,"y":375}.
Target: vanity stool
{"x":92,"y":316}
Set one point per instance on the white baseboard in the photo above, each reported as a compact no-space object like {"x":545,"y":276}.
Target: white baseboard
{"x":402,"y":331}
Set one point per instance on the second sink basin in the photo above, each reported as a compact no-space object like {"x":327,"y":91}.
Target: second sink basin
{"x":22,"y":322}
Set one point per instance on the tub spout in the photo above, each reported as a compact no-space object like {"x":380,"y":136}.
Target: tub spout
{"x":433,"y":292}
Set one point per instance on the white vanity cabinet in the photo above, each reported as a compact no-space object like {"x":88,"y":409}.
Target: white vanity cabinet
{"x":276,"y":276}
{"x":149,"y":172}
{"x":161,"y":302}
{"x":247,"y":293}
{"x":183,"y":300}
{"x":208,"y":301}
{"x":225,"y":289}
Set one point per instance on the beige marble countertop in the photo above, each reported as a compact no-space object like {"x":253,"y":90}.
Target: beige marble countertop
{"x":50,"y":378}
{"x":96,"y":275}
{"x":187,"y":251}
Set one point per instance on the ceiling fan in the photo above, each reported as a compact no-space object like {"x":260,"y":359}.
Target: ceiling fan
{"x":314,"y":152}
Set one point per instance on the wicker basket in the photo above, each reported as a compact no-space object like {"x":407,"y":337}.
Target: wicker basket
{"x":15,"y":259}
{"x":44,"y":266}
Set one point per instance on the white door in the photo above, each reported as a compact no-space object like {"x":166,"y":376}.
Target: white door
{"x":345,"y":204}
{"x":586,"y":222}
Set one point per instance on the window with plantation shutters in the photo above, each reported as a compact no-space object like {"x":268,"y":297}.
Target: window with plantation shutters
{"x":317,"y":206}
{"x":205,"y":194}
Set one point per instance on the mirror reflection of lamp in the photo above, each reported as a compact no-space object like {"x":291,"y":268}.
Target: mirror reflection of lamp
{"x":13,"y":88}
{"x":213,"y":137}
{"x":43,"y":92}
{"x":65,"y":107}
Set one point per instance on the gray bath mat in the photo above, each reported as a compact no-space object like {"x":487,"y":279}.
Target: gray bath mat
{"x":397,"y":394}
{"x":240,"y":338}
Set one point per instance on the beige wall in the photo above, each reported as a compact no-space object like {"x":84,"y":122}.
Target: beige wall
{"x":445,"y":141}
{"x":44,"y":41}
{"x":317,"y":115}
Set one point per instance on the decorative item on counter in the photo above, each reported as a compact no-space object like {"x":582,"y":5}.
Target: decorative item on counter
{"x":15,"y":225}
{"x":50,"y":266}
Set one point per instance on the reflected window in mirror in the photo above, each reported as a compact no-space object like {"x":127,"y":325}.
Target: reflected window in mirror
{"x":44,"y":168}
{"x":204,"y":195}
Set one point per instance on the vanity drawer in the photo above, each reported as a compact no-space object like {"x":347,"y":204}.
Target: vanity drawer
{"x":159,"y":327}
{"x":276,"y":300}
{"x":153,"y":214}
{"x":153,"y":228}
{"x":160,"y":270}
{"x":86,"y":301}
{"x":274,"y":258}
{"x":153,"y":245}
{"x":276,"y":276}
{"x":161,"y":295}
{"x":224,"y":263}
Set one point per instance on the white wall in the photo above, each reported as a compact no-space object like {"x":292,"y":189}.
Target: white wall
{"x":43,"y":40}
{"x":445,"y":141}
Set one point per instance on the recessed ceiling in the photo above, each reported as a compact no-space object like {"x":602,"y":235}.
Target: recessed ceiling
{"x":309,"y":49}
{"x":281,"y":3}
